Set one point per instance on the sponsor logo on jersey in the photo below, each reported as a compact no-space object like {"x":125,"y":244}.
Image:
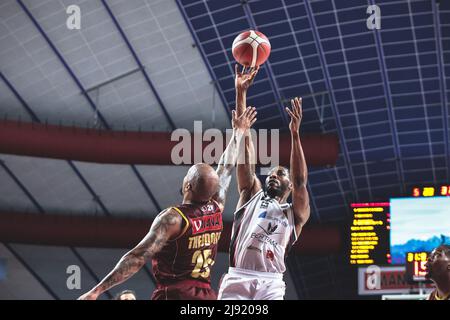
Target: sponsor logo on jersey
{"x":270,"y":255}
{"x":261,"y":237}
{"x":263,"y":215}
{"x":207,"y":223}
{"x":254,"y":248}
{"x":270,"y":229}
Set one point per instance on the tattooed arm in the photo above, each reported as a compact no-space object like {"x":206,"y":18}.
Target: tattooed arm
{"x":241,"y":124}
{"x":166,"y":226}
{"x":247,"y":181}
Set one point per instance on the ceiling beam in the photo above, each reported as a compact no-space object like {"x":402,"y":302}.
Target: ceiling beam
{"x":91,"y":145}
{"x":390,"y":106}
{"x":273,"y":82}
{"x":444,"y":101}
{"x":43,"y":213}
{"x":93,"y":106}
{"x":334,"y":106}
{"x":204,"y":58}
{"x":88,"y":230}
{"x":140,"y":65}
{"x":31,"y":270}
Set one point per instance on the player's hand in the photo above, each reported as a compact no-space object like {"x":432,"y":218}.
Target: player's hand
{"x":245,"y":121}
{"x":91,"y":295}
{"x":296,"y":114}
{"x":243,"y":79}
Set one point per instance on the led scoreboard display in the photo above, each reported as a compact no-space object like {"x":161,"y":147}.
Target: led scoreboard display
{"x":370,"y":234}
{"x":415,"y":266}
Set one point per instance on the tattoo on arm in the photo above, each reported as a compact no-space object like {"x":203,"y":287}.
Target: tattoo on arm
{"x":226,"y":165}
{"x":165,"y":226}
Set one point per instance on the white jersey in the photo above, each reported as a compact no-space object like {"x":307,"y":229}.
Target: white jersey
{"x":263,"y":232}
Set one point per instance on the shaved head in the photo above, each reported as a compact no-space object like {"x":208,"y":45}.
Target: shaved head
{"x":201,"y":181}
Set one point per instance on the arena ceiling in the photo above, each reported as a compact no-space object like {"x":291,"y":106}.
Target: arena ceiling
{"x":158,"y":65}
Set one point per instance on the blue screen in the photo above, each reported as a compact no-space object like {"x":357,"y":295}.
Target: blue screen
{"x":418,"y":224}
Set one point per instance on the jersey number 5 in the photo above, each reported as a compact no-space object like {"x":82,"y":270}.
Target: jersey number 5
{"x":203,"y":261}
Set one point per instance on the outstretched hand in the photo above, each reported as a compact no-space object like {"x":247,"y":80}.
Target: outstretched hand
{"x":243,"y":79}
{"x":245,"y":120}
{"x":296,"y":114}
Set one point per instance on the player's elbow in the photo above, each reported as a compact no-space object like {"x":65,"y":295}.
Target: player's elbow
{"x":138,"y":256}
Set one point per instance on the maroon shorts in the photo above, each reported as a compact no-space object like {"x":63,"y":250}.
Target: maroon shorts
{"x":184,"y":290}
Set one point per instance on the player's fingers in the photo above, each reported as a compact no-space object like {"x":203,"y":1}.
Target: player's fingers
{"x":298,"y":102}
{"x":254,"y":72}
{"x":233,"y":114}
{"x":236,"y":69}
{"x":297,"y":106}
{"x":250,"y":111}
{"x":247,"y":111}
{"x":290,"y":112}
{"x":293,"y":107}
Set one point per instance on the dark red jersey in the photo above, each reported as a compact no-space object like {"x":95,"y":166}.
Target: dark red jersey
{"x":191,"y":255}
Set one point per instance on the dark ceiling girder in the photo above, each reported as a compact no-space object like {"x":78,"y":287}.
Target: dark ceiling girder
{"x":140,"y":65}
{"x":19,"y":97}
{"x":42,"y":214}
{"x":117,"y":232}
{"x":63,"y":61}
{"x":390,"y":107}
{"x":92,"y":104}
{"x":24,"y":104}
{"x":444,"y":101}
{"x":22,"y":187}
{"x":273,"y":82}
{"x":31,"y":270}
{"x":204,"y":58}
{"x":332,"y":99}
{"x":91,"y":145}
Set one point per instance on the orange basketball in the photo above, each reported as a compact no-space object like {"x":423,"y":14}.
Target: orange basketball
{"x":251,"y":48}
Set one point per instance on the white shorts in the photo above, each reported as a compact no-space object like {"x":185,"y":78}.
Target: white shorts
{"x":242,"y":284}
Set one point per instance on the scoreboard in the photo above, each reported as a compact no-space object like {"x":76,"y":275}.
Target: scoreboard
{"x":431,"y":191}
{"x":415,"y":266}
{"x":369,"y":231}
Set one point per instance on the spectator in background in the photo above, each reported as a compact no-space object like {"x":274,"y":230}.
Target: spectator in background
{"x":126,"y":295}
{"x":438,"y":270}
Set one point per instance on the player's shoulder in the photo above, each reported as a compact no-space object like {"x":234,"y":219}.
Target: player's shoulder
{"x":171,"y":214}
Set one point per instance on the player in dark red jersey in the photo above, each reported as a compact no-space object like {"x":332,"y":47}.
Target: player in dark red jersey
{"x":182,"y":241}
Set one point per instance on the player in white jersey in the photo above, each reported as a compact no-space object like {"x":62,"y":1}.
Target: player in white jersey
{"x":265,"y":225}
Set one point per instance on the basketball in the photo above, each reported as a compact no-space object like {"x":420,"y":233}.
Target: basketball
{"x":251,"y":48}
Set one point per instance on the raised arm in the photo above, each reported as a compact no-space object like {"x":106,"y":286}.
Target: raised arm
{"x":248,"y":182}
{"x":166,"y":226}
{"x":229,"y":157}
{"x":299,"y":170}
